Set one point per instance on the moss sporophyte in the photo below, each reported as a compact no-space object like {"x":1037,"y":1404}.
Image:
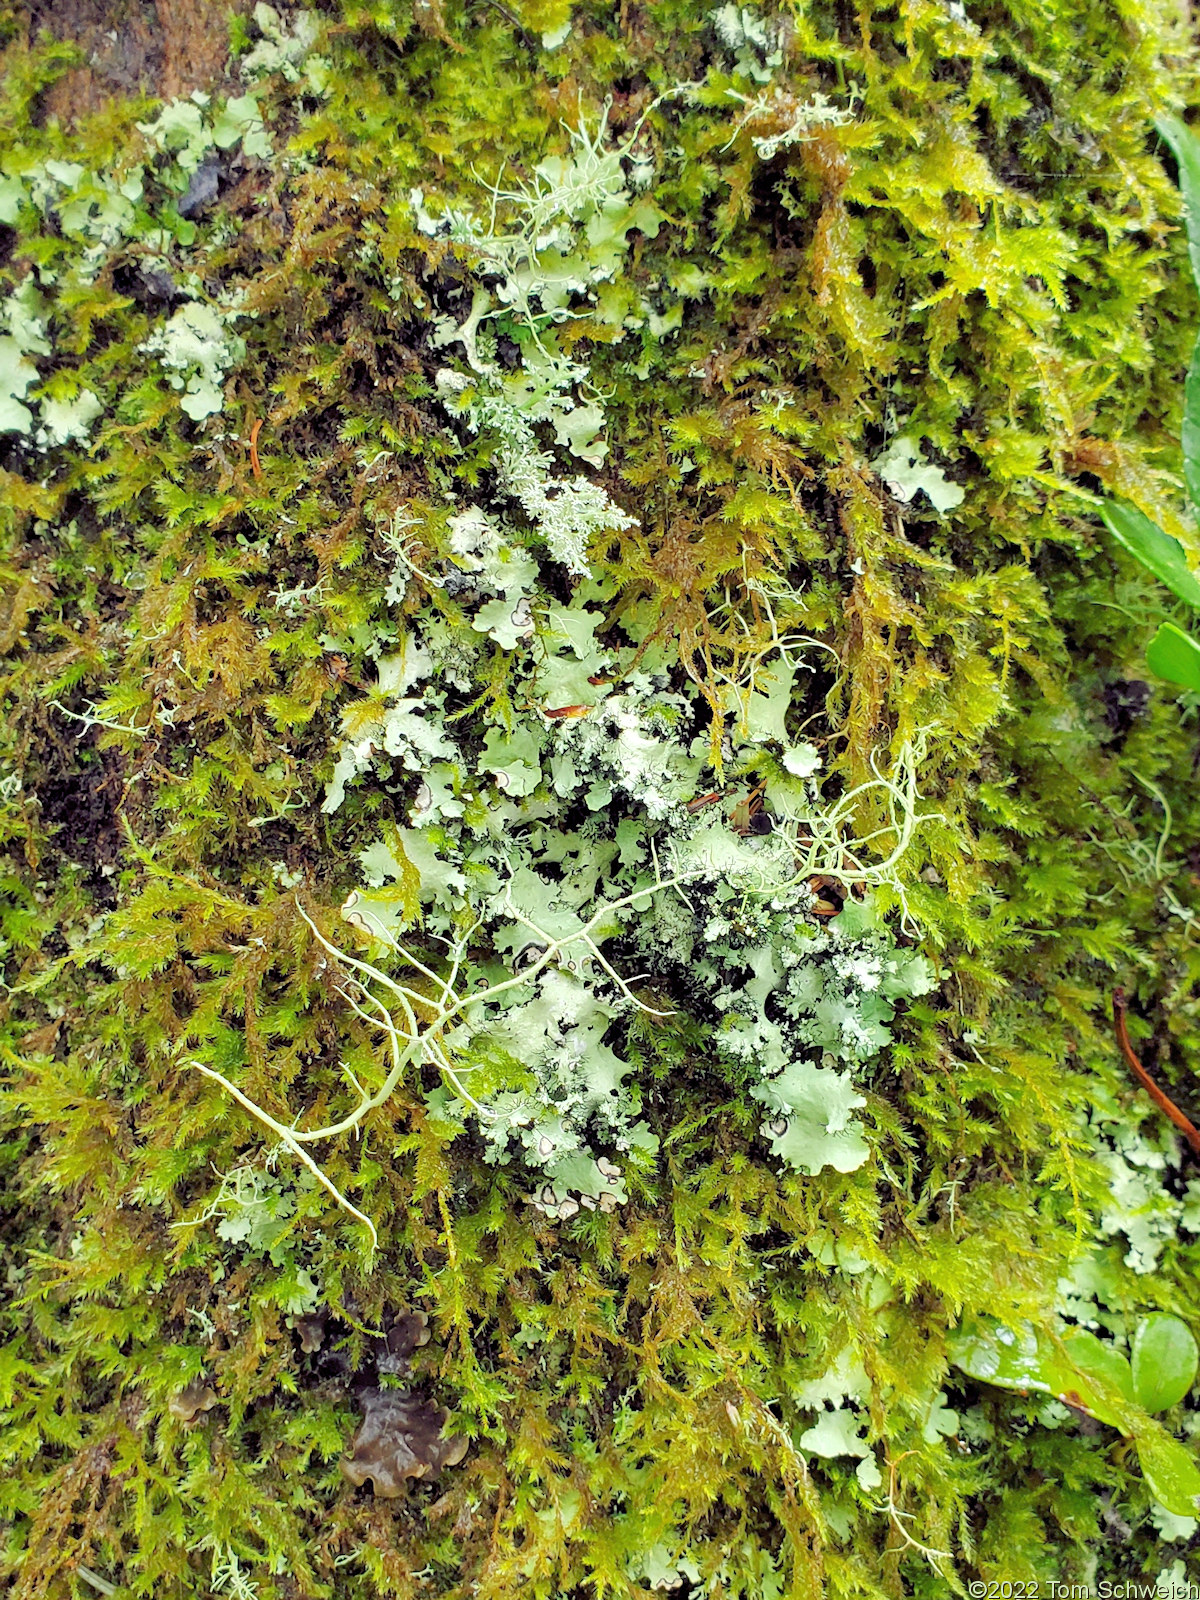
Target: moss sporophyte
{"x":579,"y":775}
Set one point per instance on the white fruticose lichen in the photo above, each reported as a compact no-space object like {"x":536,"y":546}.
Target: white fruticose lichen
{"x":801,"y":119}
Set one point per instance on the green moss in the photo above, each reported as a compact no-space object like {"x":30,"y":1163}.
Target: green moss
{"x":984,"y":258}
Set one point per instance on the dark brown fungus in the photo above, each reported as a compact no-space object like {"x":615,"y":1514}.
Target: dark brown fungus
{"x":406,"y":1334}
{"x":310,"y":1331}
{"x":189,"y":1403}
{"x":400,"y":1438}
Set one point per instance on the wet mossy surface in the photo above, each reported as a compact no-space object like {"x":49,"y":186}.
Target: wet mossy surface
{"x":986,"y":254}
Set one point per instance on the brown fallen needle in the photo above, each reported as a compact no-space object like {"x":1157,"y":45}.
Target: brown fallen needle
{"x":1166,"y":1105}
{"x":255,"y":463}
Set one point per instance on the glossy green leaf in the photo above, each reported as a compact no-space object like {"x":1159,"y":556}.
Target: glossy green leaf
{"x":1175,"y":656}
{"x":1186,"y":149}
{"x":1164,"y":1362}
{"x":1103,"y":1365}
{"x":1156,"y":550}
{"x":1092,"y":1376}
{"x":1009,"y":1358}
{"x":1083,"y":1371}
{"x":1171,"y":1473}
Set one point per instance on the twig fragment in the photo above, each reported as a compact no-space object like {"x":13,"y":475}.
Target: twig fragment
{"x":1163,"y":1101}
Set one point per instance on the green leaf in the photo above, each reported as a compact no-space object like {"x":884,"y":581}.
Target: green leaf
{"x":1084,"y":1372}
{"x":1101,"y":1363}
{"x":1186,"y":150}
{"x":1175,"y":656}
{"x":1009,"y":1358}
{"x":1172,"y":1476}
{"x":1156,"y":550}
{"x":1164,"y":1362}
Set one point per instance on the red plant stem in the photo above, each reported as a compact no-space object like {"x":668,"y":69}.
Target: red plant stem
{"x":1166,"y":1105}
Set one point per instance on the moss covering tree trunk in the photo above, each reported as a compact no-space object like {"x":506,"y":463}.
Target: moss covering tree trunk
{"x":578,"y":774}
